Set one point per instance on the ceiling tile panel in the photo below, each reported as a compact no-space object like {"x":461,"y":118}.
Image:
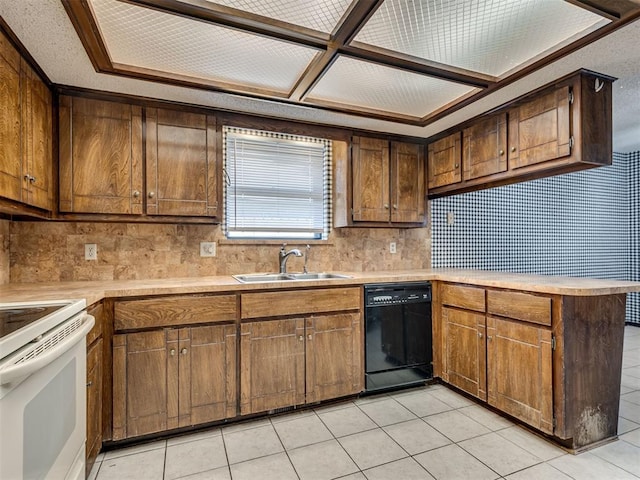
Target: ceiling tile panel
{"x":494,"y":37}
{"x":145,"y":38}
{"x":366,"y":85}
{"x":320,"y":15}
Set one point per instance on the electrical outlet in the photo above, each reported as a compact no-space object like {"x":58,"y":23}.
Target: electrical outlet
{"x":392,"y":247}
{"x":90,"y":251}
{"x":451,"y":218}
{"x":207,"y":249}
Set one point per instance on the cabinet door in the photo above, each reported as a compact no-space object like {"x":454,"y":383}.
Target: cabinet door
{"x":444,"y":161}
{"x":100,"y":156}
{"x":272,"y":365}
{"x":407,"y":174}
{"x":520,"y":379}
{"x":484,"y":146}
{"x":540,"y":130}
{"x":37,"y":142}
{"x":333,"y":356}
{"x":181,"y":163}
{"x":208,"y":373}
{"x":143,"y":365}
{"x":94,"y":402}
{"x":370,"y":170}
{"x":465,"y":354}
{"x":11,"y":178}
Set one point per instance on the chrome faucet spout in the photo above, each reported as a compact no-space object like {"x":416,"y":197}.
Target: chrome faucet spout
{"x":283,"y":255}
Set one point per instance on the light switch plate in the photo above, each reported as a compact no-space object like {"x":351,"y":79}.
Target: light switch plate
{"x":207,"y":249}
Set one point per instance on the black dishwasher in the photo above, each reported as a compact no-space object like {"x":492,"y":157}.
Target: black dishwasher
{"x":398,"y":343}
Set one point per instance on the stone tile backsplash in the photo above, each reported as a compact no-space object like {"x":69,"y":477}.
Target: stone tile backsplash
{"x":54,"y":251}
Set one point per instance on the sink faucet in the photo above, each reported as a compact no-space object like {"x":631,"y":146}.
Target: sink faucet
{"x":284,"y":255}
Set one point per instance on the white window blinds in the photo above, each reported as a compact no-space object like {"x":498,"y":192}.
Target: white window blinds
{"x":277,"y":186}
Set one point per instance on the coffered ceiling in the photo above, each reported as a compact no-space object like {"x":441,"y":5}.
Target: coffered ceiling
{"x":404,"y":61}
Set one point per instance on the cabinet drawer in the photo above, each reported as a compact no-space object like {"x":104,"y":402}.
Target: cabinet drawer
{"x":165,"y":312}
{"x":471,"y":298}
{"x":520,"y":306}
{"x":300,"y":302}
{"x":97,"y":310}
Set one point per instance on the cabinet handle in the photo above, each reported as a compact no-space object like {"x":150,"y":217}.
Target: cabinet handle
{"x":513,"y":149}
{"x":29,"y":178}
{"x":457,"y":165}
{"x":89,"y":383}
{"x":395,"y":207}
{"x":183,"y":351}
{"x":386,"y":205}
{"x":301,"y":338}
{"x":501,"y":152}
{"x":152,"y":194}
{"x":310,"y":337}
{"x":32,"y":179}
{"x":479,"y":335}
{"x":489,"y":337}
{"x":136,"y":194}
{"x":172,"y":352}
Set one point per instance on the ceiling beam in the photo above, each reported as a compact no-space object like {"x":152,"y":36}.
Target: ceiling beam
{"x":237,"y":19}
{"x":348,"y":27}
{"x":611,"y":9}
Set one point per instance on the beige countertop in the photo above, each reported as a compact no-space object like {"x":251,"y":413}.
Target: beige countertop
{"x":94,"y":291}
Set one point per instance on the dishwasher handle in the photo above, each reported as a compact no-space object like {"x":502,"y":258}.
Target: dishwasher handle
{"x":52,"y":346}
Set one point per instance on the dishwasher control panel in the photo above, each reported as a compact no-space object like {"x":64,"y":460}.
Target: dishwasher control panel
{"x":397,"y":294}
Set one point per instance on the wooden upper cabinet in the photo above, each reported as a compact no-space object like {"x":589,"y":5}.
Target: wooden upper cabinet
{"x":25,"y":131}
{"x":484,"y":147}
{"x":100,"y":156}
{"x":370,"y":180}
{"x":37,"y":141}
{"x":387,"y":182}
{"x":10,"y":121}
{"x":407,"y":188}
{"x":561,"y":128}
{"x":540,"y":130}
{"x":444,"y":161}
{"x":180,"y":161}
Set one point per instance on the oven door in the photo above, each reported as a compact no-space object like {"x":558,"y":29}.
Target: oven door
{"x":44,"y":413}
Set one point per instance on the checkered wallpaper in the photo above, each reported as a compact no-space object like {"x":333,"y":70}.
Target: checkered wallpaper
{"x":580,"y":224}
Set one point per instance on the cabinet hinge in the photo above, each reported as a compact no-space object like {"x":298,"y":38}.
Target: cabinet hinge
{"x":570,"y":97}
{"x":554,"y":422}
{"x":570,"y":142}
{"x":553,"y":342}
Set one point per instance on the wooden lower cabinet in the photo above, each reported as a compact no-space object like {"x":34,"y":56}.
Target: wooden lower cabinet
{"x":552,"y":361}
{"x":465,"y":351}
{"x":313,"y":354}
{"x":94,"y":402}
{"x":272,"y":365}
{"x":519,"y":366}
{"x":316,"y":358}
{"x":171,"y":378}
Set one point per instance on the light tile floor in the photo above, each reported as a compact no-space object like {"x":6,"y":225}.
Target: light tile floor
{"x":423,"y":433}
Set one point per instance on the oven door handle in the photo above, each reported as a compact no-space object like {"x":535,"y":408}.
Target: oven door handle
{"x":16,"y":371}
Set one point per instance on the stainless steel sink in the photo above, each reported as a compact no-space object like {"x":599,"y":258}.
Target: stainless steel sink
{"x":262,"y":277}
{"x":316,"y":276}
{"x":285,"y":277}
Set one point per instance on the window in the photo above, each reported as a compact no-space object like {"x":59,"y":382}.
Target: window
{"x":276,"y":186}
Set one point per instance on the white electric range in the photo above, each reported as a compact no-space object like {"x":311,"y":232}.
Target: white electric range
{"x":43,"y":389}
